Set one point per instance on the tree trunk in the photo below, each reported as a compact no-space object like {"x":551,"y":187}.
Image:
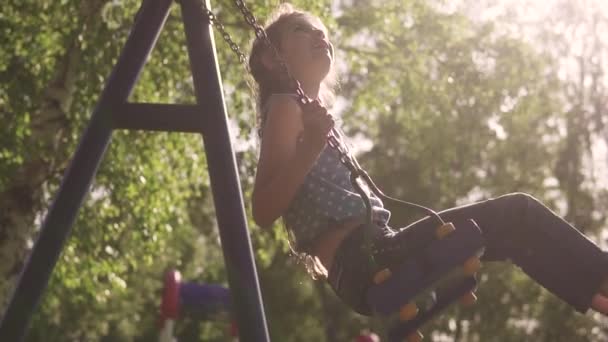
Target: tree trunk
{"x":21,"y":202}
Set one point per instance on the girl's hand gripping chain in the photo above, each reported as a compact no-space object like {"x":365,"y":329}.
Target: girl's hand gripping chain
{"x":317,"y":123}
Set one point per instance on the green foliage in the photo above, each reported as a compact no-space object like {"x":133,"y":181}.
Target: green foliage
{"x":457,"y":111}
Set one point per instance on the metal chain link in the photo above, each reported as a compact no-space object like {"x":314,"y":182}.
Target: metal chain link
{"x":225,"y":35}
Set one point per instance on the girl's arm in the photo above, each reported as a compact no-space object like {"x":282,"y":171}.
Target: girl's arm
{"x":284,"y":162}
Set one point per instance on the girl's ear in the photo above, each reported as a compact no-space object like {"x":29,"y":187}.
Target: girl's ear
{"x":269,"y":59}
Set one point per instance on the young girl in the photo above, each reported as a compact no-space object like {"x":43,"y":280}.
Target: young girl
{"x":300,"y":178}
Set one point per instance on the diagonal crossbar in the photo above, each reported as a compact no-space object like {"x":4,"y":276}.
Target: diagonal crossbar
{"x":208,"y":117}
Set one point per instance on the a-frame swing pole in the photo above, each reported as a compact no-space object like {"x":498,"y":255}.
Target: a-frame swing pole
{"x":58,"y":222}
{"x":227,"y":194}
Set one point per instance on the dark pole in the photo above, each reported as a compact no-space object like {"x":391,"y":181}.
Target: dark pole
{"x":238,"y":253}
{"x":58,"y":222}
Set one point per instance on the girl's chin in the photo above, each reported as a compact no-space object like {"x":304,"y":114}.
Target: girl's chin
{"x":322,"y":62}
{"x":322,"y":53}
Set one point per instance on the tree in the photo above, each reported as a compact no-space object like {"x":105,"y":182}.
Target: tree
{"x":460,"y":110}
{"x":457,"y":110}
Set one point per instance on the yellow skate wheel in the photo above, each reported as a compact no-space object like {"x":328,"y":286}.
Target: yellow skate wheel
{"x":408,"y":312}
{"x":472,"y":265}
{"x":445,"y":230}
{"x":381,"y":276}
{"x":468,"y":299}
{"x":415,"y":337}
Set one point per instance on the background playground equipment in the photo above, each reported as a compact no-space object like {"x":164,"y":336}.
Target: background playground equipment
{"x":207,"y":301}
{"x":442,"y":270}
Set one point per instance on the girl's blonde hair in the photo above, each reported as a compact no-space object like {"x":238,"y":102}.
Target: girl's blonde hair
{"x":270,"y":82}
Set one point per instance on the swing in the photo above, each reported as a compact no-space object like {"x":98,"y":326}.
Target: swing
{"x":439,"y":271}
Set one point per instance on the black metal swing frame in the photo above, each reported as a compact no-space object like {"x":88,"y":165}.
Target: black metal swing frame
{"x":207,"y":117}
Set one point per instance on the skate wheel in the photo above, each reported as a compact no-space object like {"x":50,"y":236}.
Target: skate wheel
{"x":472,"y":265}
{"x":382,"y":276}
{"x":445,"y":230}
{"x":415,"y":337}
{"x":468,"y":299}
{"x":408,"y":312}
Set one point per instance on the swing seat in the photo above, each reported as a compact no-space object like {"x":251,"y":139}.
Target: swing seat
{"x":439,"y":273}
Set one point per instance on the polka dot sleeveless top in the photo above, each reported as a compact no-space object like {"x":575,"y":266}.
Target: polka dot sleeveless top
{"x":325,"y":198}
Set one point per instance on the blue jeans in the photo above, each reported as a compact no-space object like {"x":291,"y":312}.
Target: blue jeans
{"x":516,"y":227}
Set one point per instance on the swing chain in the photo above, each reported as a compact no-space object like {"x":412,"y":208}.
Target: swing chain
{"x":260,"y":33}
{"x":225,"y":35}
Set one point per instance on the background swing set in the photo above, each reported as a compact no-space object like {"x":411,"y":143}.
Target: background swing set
{"x":450,"y":250}
{"x":207,"y":117}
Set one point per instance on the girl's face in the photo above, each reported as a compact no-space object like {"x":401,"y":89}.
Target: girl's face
{"x":306,"y":49}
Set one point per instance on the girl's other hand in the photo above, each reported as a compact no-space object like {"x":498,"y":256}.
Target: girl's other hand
{"x":317,"y":123}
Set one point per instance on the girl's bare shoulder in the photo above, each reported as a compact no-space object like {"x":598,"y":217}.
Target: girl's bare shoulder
{"x":283,"y":101}
{"x":282,"y":110}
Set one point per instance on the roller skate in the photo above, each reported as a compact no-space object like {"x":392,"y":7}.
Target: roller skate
{"x":441,"y":271}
